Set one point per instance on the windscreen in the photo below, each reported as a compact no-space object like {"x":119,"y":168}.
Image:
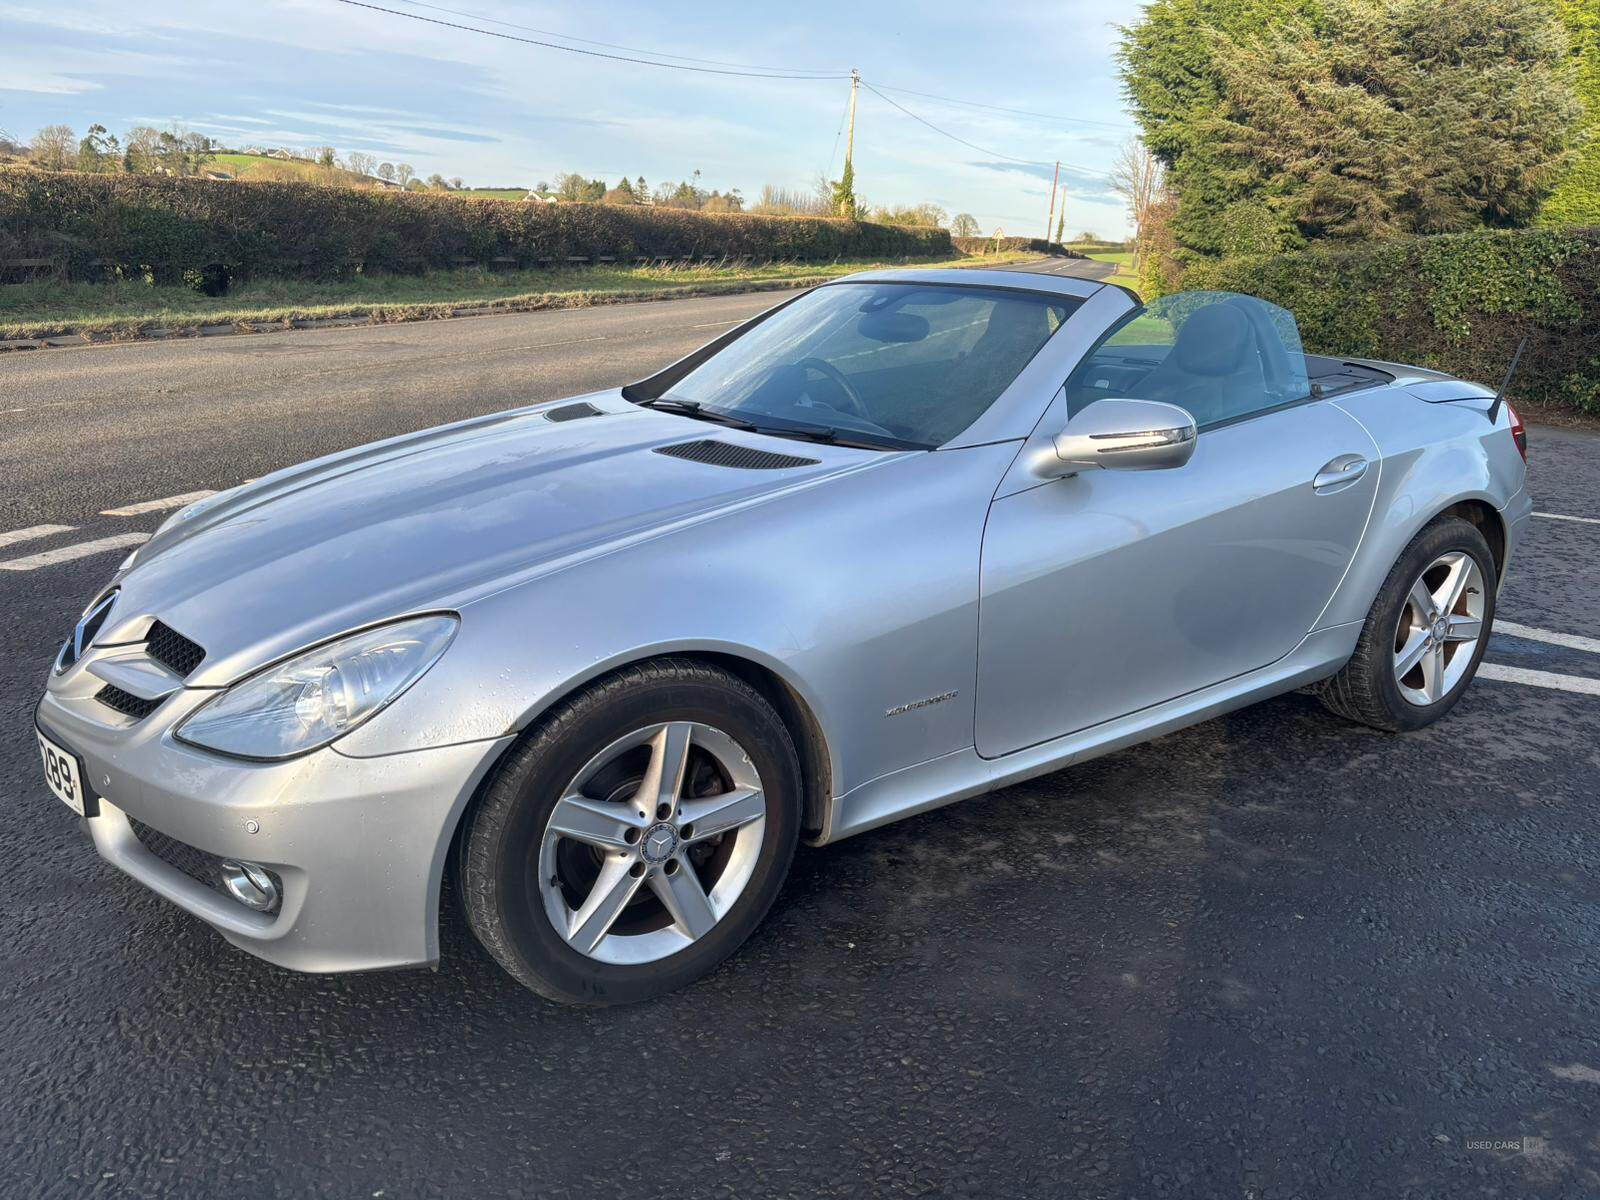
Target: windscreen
{"x":915,"y":364}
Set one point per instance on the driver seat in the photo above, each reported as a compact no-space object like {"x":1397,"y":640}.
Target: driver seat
{"x":1214,"y":369}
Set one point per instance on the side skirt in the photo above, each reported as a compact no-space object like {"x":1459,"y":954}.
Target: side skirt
{"x":958,"y":776}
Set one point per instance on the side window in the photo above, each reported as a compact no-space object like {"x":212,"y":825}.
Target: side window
{"x":1219,"y":355}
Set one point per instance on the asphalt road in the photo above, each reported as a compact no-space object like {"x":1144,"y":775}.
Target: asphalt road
{"x":1271,"y":956}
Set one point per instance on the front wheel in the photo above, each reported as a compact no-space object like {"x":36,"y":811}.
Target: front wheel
{"x":1425,"y":635}
{"x":636,"y":837}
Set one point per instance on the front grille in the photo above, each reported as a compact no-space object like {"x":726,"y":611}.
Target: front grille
{"x":126,"y":703}
{"x":731,"y":454}
{"x":172,"y":650}
{"x":572,"y":412}
{"x":84,"y":634}
{"x":199,"y":865}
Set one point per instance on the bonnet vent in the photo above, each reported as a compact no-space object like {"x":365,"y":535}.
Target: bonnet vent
{"x":572,"y":412}
{"x":730,"y":454}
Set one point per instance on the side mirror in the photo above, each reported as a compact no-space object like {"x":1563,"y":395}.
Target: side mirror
{"x":1124,"y":435}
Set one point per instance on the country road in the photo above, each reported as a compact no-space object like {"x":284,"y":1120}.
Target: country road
{"x":1271,"y":955}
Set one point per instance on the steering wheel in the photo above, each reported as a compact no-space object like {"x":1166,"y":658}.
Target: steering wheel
{"x":837,"y":377}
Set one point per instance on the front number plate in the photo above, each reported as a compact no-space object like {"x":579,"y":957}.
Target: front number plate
{"x":63,"y":773}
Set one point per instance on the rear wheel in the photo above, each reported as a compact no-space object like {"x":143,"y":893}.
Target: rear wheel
{"x":1425,"y":635}
{"x":636,"y":838}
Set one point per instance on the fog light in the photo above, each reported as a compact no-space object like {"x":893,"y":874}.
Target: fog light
{"x":250,"y":885}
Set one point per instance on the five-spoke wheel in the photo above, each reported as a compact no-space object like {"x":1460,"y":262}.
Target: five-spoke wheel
{"x":1439,"y":628}
{"x":1425,"y":634}
{"x":635,"y":836}
{"x":652,"y":842}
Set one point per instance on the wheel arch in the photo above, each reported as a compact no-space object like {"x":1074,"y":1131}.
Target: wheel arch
{"x":787,"y":698}
{"x":1384,"y":545}
{"x":1490,"y":523}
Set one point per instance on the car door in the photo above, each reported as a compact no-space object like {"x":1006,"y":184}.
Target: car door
{"x":1110,"y":591}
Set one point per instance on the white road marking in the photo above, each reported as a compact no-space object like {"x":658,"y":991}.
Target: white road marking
{"x":150,"y":506}
{"x":1560,"y":517}
{"x":13,"y":536}
{"x":1570,"y":640}
{"x":1580,"y":684}
{"x":49,"y":558}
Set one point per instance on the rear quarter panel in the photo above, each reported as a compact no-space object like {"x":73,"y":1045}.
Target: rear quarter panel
{"x":1432,"y":456}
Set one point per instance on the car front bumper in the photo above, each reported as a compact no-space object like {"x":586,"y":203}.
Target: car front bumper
{"x":359,"y":843}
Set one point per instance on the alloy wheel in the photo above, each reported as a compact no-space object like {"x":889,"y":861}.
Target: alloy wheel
{"x":652,"y":843}
{"x":1439,"y":629}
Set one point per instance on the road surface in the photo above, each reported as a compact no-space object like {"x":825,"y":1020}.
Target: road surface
{"x":1272,"y":955}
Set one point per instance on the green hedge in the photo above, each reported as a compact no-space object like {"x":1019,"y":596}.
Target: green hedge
{"x":1459,"y":303}
{"x":87,"y":225}
{"x":991,"y":245}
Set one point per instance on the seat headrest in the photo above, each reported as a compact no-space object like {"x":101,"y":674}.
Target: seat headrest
{"x":1215,"y":340}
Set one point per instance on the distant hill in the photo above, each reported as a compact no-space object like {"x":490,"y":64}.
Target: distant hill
{"x":284,"y":170}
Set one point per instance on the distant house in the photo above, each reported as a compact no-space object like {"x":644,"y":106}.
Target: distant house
{"x":541,"y":197}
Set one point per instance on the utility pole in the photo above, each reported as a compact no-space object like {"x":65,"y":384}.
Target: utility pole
{"x":1051,"y":219}
{"x":850,"y":140}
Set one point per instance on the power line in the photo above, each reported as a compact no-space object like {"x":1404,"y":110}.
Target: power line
{"x":567,"y":37}
{"x":1021,"y":112}
{"x":648,"y":62}
{"x":1027,"y":162}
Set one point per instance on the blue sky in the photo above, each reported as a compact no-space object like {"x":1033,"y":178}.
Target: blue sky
{"x":301,"y":73}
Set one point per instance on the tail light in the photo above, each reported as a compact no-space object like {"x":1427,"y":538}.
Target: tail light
{"x":1518,"y":433}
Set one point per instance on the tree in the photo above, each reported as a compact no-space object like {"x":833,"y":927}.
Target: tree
{"x":1576,"y":199}
{"x":54,"y":147}
{"x":1280,"y":121}
{"x":327,"y":158}
{"x":925,"y":214}
{"x":360,"y":162}
{"x":623,"y":193}
{"x":415,"y":185}
{"x":723,"y":202}
{"x":99,"y":152}
{"x":386,"y":172}
{"x":1061,"y":227}
{"x":1138,"y":177}
{"x":404,"y":173}
{"x":575,"y":187}
{"x":438,"y":183}
{"x":1419,"y":116}
{"x":141,"y":151}
{"x":843,"y":196}
{"x":964,"y":225}
{"x":456,"y":183}
{"x":181,"y":151}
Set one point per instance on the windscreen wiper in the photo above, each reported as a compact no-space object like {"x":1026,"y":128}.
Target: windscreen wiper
{"x":693,"y":408}
{"x":837,"y":437}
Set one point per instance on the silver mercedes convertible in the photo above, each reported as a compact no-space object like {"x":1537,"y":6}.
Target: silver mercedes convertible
{"x":905,"y":538}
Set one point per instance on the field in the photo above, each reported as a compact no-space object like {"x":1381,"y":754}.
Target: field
{"x":120,"y":310}
{"x":259,"y":166}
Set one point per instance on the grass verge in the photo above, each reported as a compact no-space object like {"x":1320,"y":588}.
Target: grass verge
{"x":1123,"y":259}
{"x":129,"y":309}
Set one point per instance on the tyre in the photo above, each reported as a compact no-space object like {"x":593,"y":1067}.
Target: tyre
{"x":1425,"y":635}
{"x":636,"y":837}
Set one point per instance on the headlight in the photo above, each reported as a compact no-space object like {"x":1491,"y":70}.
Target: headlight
{"x":309,"y":701}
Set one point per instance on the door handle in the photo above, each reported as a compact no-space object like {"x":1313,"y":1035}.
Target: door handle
{"x":1339,"y":473}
